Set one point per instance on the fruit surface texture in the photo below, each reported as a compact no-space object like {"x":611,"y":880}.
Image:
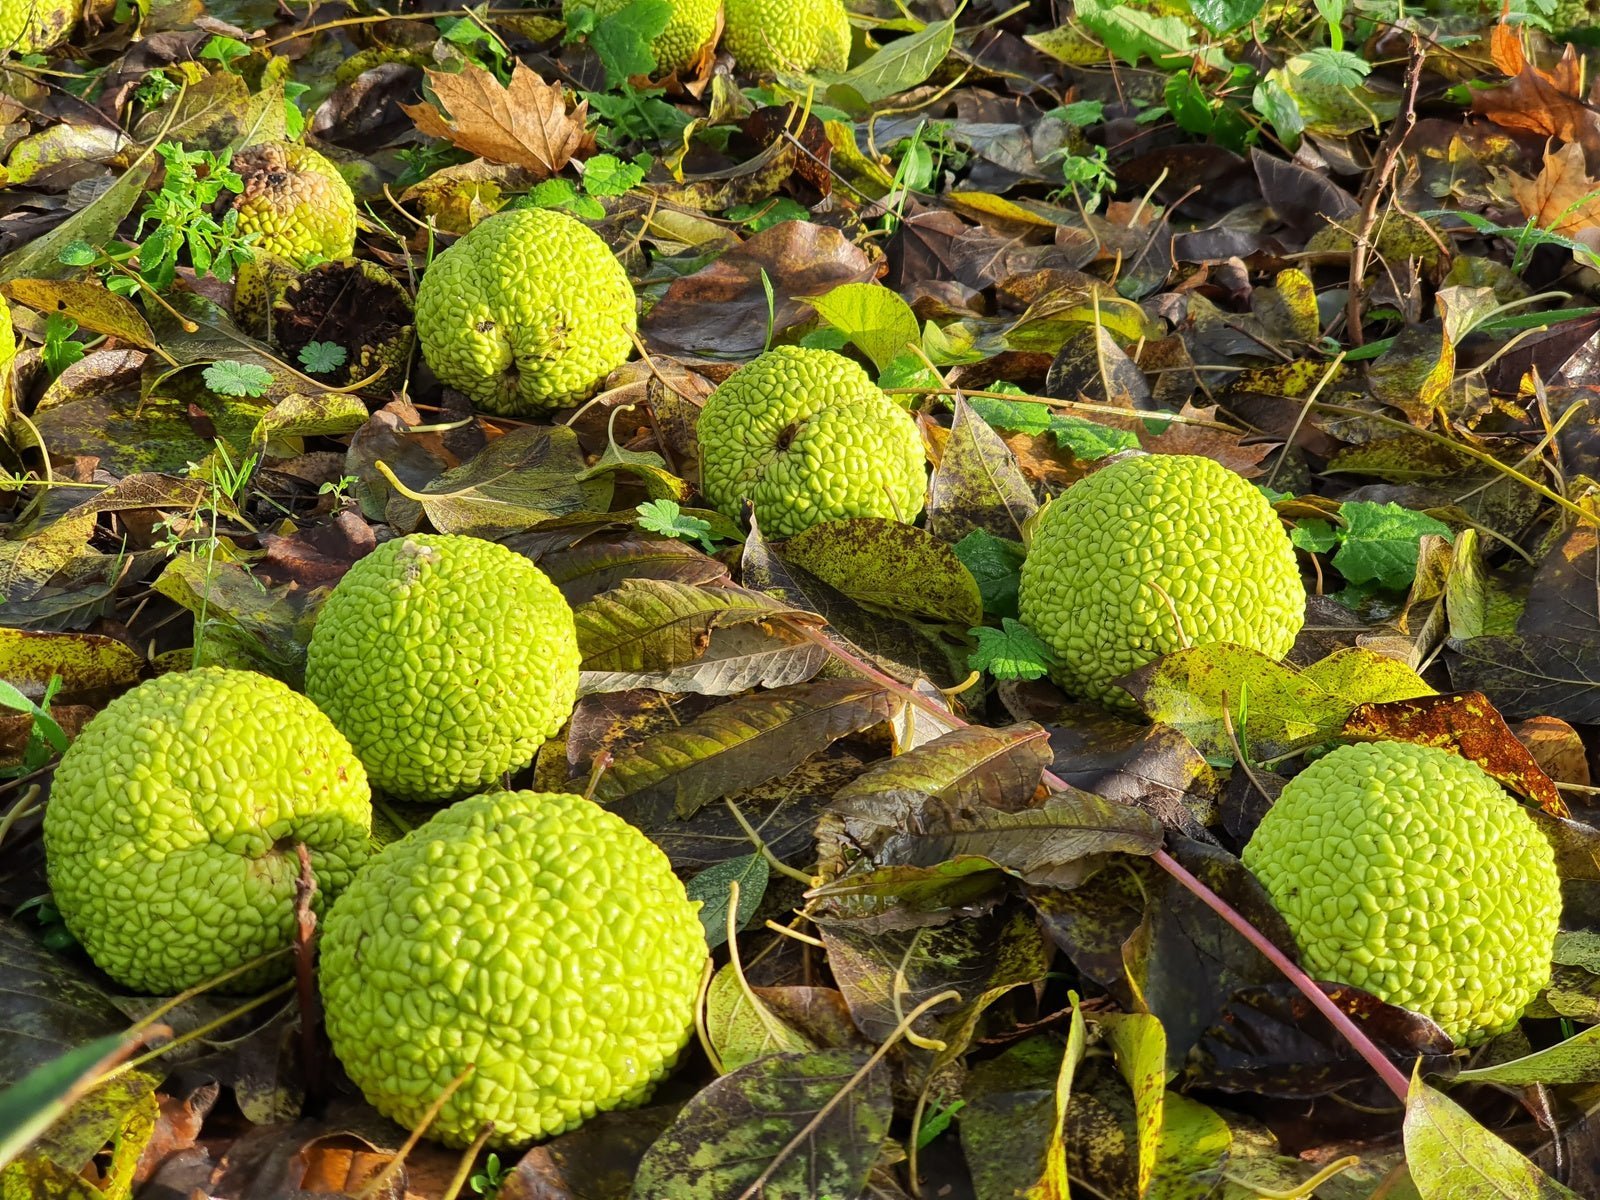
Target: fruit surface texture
{"x":446,"y":660}
{"x":31,"y":26}
{"x":173,"y":822}
{"x":790,"y":37}
{"x":1408,"y":871}
{"x":532,"y":934}
{"x":692,"y":24}
{"x":527,"y":312}
{"x":297,"y":201}
{"x":806,"y":437}
{"x":1151,"y":554}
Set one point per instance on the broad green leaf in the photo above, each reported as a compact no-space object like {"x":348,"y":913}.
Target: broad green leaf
{"x":1051,"y":845}
{"x":1131,"y":34}
{"x":1576,"y":1060}
{"x":977,"y":484}
{"x":1013,"y":1120}
{"x":899,"y":66}
{"x":1360,"y":676}
{"x":742,"y":1027}
{"x":1054,"y":1184}
{"x":743,"y":743}
{"x":1140,"y":1046}
{"x":1011,"y":652}
{"x":96,"y":223}
{"x":873,"y":317}
{"x":87,"y":303}
{"x":653,"y":624}
{"x":963,"y":769}
{"x":120,"y":1113}
{"x":28,"y":1106}
{"x":711,"y":888}
{"x":331,"y":414}
{"x":513,"y":483}
{"x":1452,"y":1157}
{"x":1224,"y":16}
{"x":622,"y":39}
{"x":889,"y":566}
{"x":1380,"y":543}
{"x":1195,"y":1144}
{"x":86,"y":662}
{"x":1271,"y":709}
{"x":646,"y":466}
{"x":996,"y":565}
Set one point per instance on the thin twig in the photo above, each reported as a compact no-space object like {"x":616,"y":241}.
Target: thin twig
{"x":1377,"y":182}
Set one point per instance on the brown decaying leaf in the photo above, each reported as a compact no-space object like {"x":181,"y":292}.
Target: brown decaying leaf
{"x":526,"y":124}
{"x":722,"y":308}
{"x":1562,"y":197}
{"x":1545,"y":104}
{"x":1468,"y":724}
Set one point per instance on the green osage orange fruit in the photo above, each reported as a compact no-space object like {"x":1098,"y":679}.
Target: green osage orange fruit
{"x":533,"y":937}
{"x":806,"y":437}
{"x":446,"y":660}
{"x":528,"y":312}
{"x":173,"y":823}
{"x":1409,"y":872}
{"x":1151,"y":554}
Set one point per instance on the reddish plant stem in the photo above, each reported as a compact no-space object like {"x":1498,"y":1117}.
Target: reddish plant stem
{"x":1348,"y":1029}
{"x":1352,"y":1033}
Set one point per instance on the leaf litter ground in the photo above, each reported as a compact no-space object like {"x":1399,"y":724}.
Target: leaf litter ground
{"x":985,"y":942}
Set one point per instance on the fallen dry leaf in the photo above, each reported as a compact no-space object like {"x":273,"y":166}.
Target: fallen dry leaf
{"x":526,"y":124}
{"x":1545,"y":103}
{"x":1562,"y":197}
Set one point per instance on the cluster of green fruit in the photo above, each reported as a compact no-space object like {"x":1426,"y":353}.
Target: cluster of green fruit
{"x":1144,"y":557}
{"x":501,"y":943}
{"x":530,"y":311}
{"x":794,"y":37}
{"x":1401,"y":869}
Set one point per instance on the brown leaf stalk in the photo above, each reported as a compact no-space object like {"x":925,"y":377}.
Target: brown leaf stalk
{"x":1377,"y":183}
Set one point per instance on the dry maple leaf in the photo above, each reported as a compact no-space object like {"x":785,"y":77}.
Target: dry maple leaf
{"x":1541,"y":102}
{"x":526,"y":124}
{"x":1562,"y":197}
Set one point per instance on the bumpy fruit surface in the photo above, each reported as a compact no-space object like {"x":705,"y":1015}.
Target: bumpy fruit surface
{"x":32,"y":26}
{"x":171,"y":830}
{"x":446,"y":661}
{"x":297,"y":201}
{"x":528,"y":312}
{"x":533,"y":934}
{"x":1407,"y":871}
{"x":806,"y":437}
{"x":792,"y":37}
{"x":1152,"y":554}
{"x":691,"y":25}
